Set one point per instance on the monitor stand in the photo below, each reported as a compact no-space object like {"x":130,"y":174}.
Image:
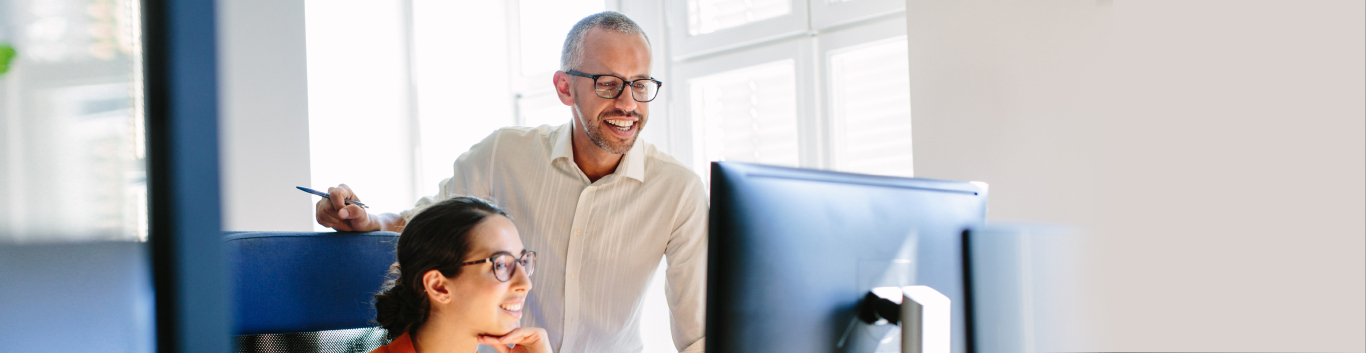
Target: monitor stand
{"x":924,"y":316}
{"x":925,"y":320}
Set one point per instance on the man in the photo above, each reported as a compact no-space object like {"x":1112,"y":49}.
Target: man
{"x":598,"y":207}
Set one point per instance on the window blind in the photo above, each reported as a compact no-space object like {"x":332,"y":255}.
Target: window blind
{"x":747,"y":114}
{"x":870,"y":91}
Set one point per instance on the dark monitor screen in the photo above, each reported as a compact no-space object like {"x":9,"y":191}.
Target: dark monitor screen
{"x":793,"y":251}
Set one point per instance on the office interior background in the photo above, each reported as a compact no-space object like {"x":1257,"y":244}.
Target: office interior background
{"x":1206,"y":156}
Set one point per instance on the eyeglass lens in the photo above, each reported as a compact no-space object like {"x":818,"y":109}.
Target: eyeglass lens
{"x":643,"y":90}
{"x":505,"y":265}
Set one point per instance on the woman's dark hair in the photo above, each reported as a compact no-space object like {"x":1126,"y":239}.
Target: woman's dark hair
{"x":435,"y":239}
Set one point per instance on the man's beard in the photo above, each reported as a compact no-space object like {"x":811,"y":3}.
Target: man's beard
{"x":593,"y":127}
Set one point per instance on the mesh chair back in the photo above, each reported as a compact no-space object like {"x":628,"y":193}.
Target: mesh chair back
{"x":359,"y":340}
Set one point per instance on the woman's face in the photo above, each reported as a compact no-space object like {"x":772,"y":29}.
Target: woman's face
{"x":480,"y":301}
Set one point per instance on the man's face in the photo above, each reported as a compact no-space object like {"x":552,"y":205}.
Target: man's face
{"x":612,"y":124}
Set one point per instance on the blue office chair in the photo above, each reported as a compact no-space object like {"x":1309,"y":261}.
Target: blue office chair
{"x":308,"y":292}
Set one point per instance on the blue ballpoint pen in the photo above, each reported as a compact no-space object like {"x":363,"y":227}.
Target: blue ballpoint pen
{"x":327,"y":196}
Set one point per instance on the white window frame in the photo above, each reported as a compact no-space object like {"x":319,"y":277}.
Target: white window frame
{"x":688,"y":46}
{"x":826,"y":15}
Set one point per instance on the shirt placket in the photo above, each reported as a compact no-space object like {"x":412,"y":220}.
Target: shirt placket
{"x":573,"y":268}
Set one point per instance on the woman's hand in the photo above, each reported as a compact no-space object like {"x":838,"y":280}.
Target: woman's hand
{"x":525,"y":339}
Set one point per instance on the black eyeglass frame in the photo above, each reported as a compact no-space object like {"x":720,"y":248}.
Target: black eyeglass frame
{"x":659,"y":85}
{"x":521,"y":260}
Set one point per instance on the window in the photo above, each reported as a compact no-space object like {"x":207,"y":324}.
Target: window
{"x":868,"y":80}
{"x":461,"y":98}
{"x":872,"y":117}
{"x":395,"y":94}
{"x":706,"y":16}
{"x":72,"y":148}
{"x":542,"y":25}
{"x":701,"y":27}
{"x":827,"y":90}
{"x":541,"y":29}
{"x":360,"y":126}
{"x":747,"y":115}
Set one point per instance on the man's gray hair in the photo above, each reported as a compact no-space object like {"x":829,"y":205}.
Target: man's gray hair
{"x":572,"y":56}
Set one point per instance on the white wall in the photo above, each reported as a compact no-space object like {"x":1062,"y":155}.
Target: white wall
{"x":263,"y":124}
{"x":1212,"y":150}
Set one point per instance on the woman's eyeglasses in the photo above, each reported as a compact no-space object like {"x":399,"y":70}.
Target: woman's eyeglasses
{"x":504,"y":264}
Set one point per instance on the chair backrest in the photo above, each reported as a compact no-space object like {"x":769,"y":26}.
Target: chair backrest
{"x":289,"y":282}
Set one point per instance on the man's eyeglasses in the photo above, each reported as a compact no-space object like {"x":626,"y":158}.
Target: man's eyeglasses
{"x":611,"y":86}
{"x":504,"y":264}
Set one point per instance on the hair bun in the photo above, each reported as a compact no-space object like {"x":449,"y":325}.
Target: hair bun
{"x":398,"y":310}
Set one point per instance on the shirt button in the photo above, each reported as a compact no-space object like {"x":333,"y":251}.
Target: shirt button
{"x":573,"y":275}
{"x":577,"y":232}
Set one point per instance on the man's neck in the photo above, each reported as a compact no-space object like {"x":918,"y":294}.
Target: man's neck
{"x":593,"y":160}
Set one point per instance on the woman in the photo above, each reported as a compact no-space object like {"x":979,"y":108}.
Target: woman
{"x":460,"y":280}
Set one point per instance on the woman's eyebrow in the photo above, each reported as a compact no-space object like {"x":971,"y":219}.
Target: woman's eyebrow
{"x":490,"y":255}
{"x":499,"y":252}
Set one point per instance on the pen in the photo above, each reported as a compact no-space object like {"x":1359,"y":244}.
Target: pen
{"x":325,"y":195}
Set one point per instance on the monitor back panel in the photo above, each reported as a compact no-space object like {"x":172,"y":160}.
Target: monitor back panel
{"x":793,"y":251}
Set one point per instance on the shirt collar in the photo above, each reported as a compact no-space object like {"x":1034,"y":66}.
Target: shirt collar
{"x":402,"y":344}
{"x":562,"y":145}
{"x":632,"y":165}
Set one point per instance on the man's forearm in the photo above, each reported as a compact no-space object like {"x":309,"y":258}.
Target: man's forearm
{"x":391,"y":222}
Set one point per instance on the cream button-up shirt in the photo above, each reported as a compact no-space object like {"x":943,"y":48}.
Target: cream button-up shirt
{"x":597,"y":243}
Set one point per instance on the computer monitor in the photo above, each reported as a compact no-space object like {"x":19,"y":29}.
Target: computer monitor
{"x":793,"y":251}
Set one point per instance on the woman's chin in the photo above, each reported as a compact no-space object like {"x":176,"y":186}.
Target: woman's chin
{"x":503,"y":329}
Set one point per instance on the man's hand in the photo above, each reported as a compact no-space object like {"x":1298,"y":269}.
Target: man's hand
{"x":335,"y":213}
{"x":525,"y":339}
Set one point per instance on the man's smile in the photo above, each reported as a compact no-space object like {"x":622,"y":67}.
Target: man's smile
{"x":623,"y":125}
{"x":622,"y":128}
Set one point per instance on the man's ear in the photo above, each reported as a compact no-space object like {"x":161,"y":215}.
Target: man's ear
{"x":438,"y":288}
{"x":561,"y":81}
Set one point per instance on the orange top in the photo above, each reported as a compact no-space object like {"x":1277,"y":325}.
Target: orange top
{"x":402,"y":344}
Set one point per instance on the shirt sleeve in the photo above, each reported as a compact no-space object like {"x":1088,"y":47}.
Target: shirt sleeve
{"x":686,"y":281}
{"x":469,"y":177}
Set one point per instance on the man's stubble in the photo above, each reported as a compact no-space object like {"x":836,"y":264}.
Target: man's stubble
{"x":593,"y":128}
